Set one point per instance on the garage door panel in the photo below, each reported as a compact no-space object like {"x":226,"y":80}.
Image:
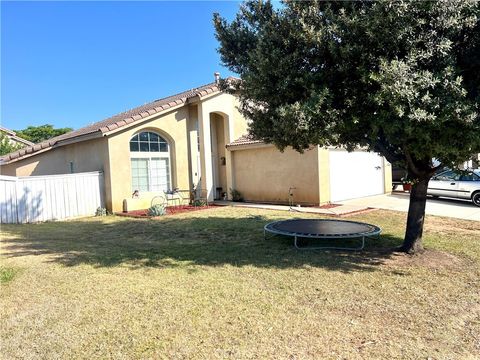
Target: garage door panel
{"x":356,"y":174}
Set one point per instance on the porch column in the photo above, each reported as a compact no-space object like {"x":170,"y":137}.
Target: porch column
{"x":205,"y":150}
{"x":228,"y":128}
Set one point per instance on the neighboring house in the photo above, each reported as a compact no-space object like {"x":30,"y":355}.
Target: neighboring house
{"x":194,"y":140}
{"x":14,"y":139}
{"x":473,"y":163}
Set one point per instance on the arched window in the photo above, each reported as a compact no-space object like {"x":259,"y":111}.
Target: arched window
{"x":150,"y":160}
{"x":148,"y":142}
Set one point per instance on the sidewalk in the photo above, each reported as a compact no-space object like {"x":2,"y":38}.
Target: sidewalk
{"x":398,"y":201}
{"x":340,"y":210}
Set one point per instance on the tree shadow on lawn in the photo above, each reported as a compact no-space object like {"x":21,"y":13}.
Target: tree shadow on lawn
{"x":183,"y":242}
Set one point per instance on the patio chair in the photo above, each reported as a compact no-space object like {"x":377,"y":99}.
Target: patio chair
{"x":175,"y":197}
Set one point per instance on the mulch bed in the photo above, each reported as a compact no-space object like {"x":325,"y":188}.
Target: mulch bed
{"x":327,"y":206}
{"x":171,"y":210}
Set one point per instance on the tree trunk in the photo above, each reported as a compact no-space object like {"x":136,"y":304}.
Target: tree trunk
{"x":416,"y":216}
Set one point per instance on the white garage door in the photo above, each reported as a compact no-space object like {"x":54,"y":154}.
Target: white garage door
{"x":356,"y":174}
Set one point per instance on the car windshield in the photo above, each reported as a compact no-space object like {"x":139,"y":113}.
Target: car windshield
{"x":448,"y":176}
{"x":459,"y":175}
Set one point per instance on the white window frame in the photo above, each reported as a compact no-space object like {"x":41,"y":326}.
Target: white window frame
{"x":149,"y":155}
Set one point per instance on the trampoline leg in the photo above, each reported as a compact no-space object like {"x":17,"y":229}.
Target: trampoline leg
{"x":361,"y":247}
{"x":295,"y":243}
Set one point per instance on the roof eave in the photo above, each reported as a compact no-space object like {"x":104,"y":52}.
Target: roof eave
{"x":257,"y":145}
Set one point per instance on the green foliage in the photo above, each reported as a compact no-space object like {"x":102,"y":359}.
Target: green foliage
{"x":7,"y":274}
{"x":5,"y":145}
{"x":199,"y":202}
{"x":41,"y":133}
{"x":236,"y":195}
{"x":157,"y":210}
{"x":400,"y":78}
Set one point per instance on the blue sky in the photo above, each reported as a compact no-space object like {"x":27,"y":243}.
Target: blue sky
{"x":74,"y":63}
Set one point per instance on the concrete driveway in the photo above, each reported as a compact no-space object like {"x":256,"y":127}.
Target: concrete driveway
{"x":440,"y":207}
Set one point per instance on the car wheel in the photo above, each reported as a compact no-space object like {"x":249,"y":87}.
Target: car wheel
{"x":476,"y":198}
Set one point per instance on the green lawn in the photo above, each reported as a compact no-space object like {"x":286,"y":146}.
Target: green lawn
{"x":206,"y":285}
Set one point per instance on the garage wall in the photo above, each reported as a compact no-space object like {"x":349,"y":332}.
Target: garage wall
{"x":264,"y":174}
{"x":320,"y":175}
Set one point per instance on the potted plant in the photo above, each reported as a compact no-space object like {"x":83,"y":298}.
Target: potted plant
{"x":407,"y":184}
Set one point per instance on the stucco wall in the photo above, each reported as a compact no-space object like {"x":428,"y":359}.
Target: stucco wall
{"x":240,"y":123}
{"x":265,"y":174}
{"x":387,"y":176}
{"x":194,"y":157}
{"x":91,"y":155}
{"x":173,"y":127}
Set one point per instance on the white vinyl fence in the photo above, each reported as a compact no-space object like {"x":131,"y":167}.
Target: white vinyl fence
{"x":51,"y":197}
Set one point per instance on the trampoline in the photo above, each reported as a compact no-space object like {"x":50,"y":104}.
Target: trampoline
{"x":323,"y":229}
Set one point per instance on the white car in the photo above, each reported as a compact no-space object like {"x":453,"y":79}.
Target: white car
{"x":460,"y":184}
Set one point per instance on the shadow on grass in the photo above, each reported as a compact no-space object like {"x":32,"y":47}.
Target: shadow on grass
{"x":182,"y":242}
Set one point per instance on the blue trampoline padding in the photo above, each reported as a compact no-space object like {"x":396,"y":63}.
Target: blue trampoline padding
{"x":322,"y":228}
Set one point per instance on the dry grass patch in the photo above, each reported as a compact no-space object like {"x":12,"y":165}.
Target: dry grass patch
{"x":432,"y":259}
{"x":206,"y":285}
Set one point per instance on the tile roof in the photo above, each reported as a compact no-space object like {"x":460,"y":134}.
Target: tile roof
{"x":244,"y":140}
{"x":116,"y":121}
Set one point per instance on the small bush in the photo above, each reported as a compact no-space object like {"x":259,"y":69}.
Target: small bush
{"x":236,"y":195}
{"x":101,"y":212}
{"x":199,"y":202}
{"x":157,"y":210}
{"x":7,"y":274}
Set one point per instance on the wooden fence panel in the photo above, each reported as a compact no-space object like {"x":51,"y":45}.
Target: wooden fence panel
{"x":52,"y":197}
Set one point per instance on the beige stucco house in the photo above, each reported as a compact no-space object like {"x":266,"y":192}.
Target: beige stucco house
{"x":195,"y":139}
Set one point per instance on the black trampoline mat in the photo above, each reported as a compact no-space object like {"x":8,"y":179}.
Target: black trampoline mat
{"x":323,"y":227}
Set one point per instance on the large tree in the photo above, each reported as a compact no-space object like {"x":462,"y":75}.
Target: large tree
{"x":398,"y":78}
{"x":41,"y":133}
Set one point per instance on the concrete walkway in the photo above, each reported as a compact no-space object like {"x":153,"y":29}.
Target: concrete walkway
{"x":397,"y":201}
{"x":439,"y":207}
{"x":340,"y":210}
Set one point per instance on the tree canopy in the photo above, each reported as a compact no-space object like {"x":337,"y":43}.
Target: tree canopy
{"x":6,"y":146}
{"x":41,"y":133}
{"x":400,"y":78}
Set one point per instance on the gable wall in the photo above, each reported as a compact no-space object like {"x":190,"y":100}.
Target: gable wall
{"x":91,"y":155}
{"x":173,"y":127}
